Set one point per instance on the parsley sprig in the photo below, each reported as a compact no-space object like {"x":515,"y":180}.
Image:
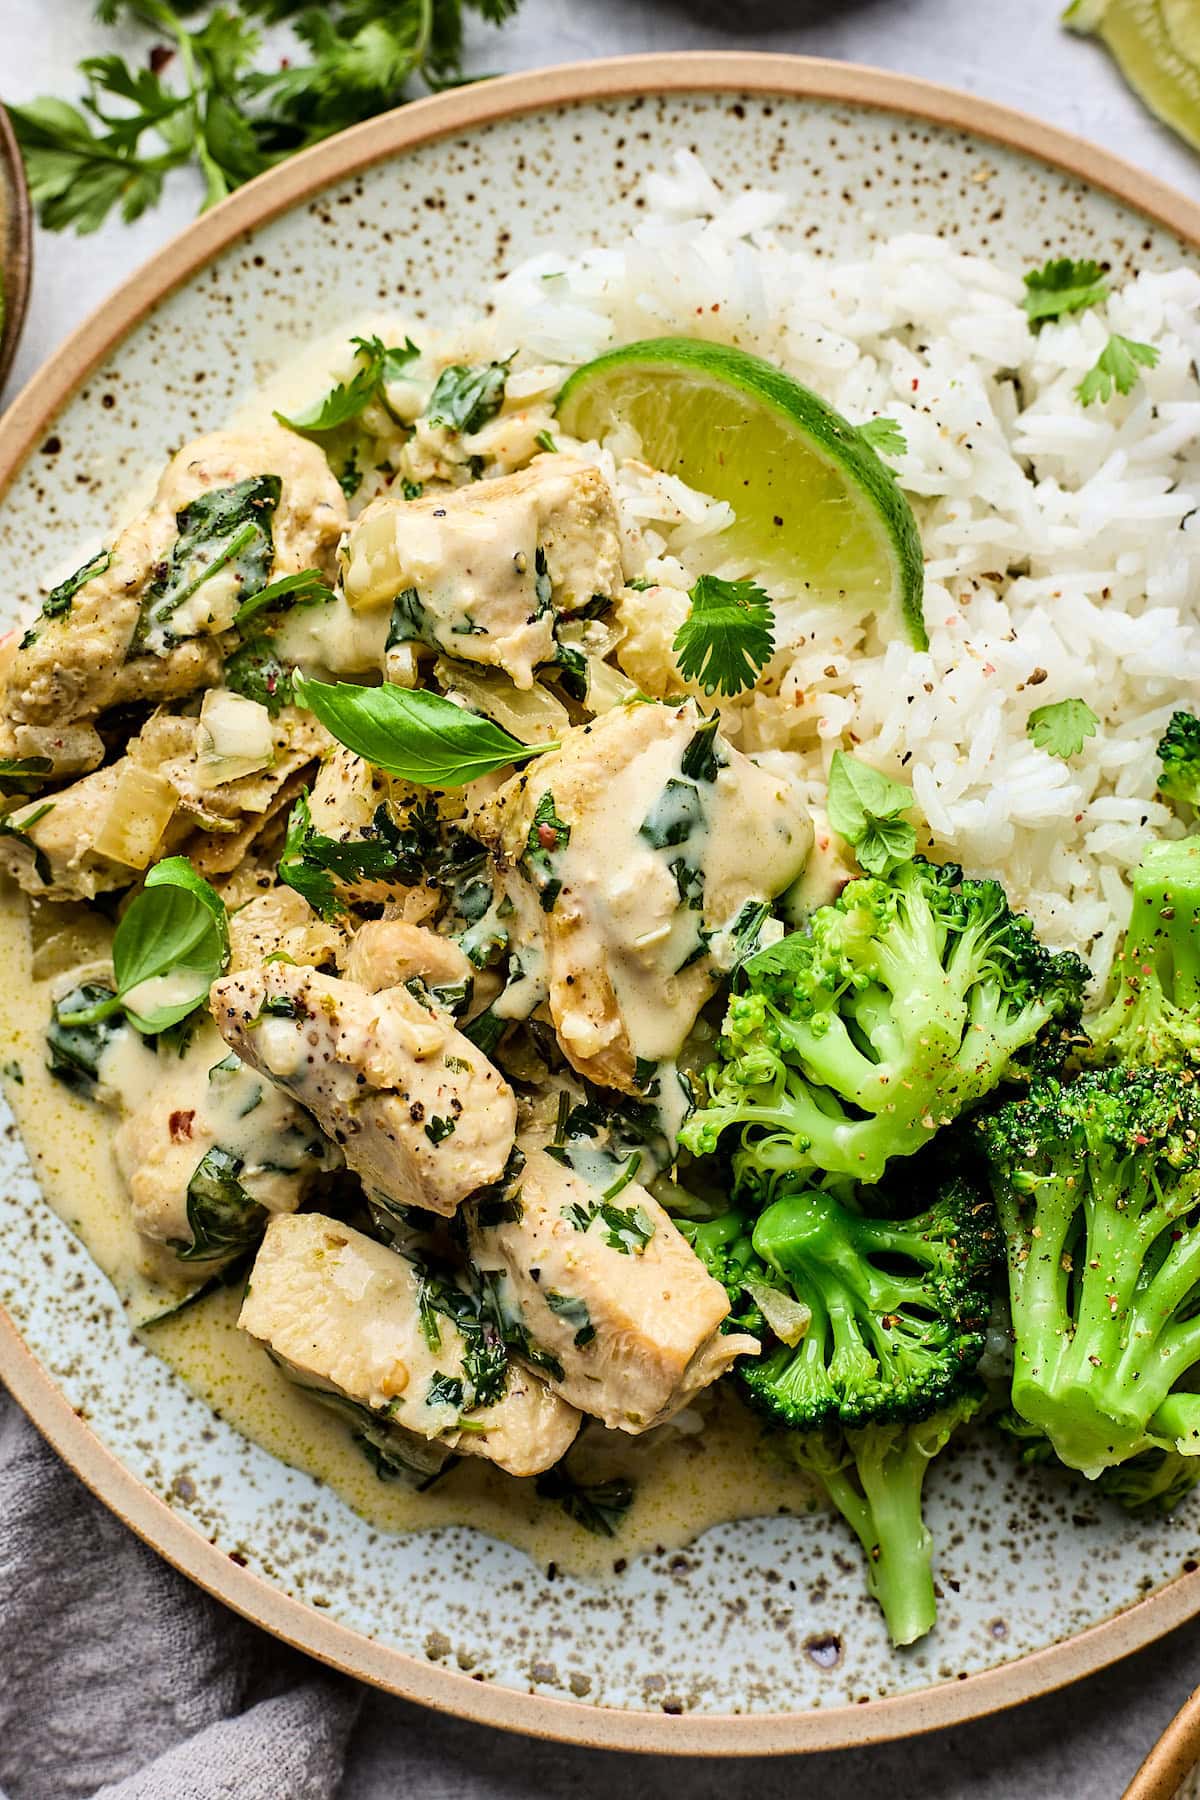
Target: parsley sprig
{"x":206,"y":98}
{"x":728,"y":637}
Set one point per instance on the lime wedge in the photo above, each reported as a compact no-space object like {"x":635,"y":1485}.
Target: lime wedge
{"x":1156,"y":44}
{"x":812,"y":498}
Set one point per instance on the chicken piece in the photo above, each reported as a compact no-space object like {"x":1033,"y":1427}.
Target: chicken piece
{"x":52,"y":847}
{"x":644,"y":838}
{"x":616,"y":1298}
{"x":212,"y":1150}
{"x":422,"y":1116}
{"x":270,"y":507}
{"x":480,"y":572}
{"x":344,"y":1316}
{"x":387,"y":952}
{"x":281,"y":921}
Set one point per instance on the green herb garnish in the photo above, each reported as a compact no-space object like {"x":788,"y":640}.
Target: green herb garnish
{"x":864,"y":807}
{"x":1063,"y":286}
{"x":729,"y":636}
{"x":1116,"y":370}
{"x":1062,"y":728}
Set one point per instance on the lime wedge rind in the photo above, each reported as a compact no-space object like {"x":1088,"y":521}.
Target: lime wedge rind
{"x":1156,"y":46}
{"x":811,"y":497}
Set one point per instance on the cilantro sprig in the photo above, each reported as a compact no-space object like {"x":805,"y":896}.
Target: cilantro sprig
{"x":377,"y":364}
{"x":207,"y":96}
{"x":1063,"y":286}
{"x":865,"y":807}
{"x":1116,"y":370}
{"x":728,"y":637}
{"x":1062,"y":728}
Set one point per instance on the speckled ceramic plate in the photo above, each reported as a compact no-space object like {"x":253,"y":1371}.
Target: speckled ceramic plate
{"x":760,"y":1637}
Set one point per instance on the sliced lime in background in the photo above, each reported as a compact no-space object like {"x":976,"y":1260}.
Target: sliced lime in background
{"x":812,"y":499}
{"x":1156,"y":44}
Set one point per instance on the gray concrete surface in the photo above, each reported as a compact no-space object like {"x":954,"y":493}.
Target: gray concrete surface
{"x":1085,"y":1743}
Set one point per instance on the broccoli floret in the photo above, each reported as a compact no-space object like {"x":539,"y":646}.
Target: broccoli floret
{"x":1097,"y":1186}
{"x":900,"y":1005}
{"x":1153,"y":1481}
{"x":899,"y":1307}
{"x":1179,"y":754}
{"x":1154,"y":1016}
{"x":875,"y":1476}
{"x":725,"y":1247}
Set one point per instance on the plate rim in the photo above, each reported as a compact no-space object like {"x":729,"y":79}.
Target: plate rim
{"x":24,"y":425}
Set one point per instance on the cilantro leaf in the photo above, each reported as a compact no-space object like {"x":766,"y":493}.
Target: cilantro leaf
{"x":1061,"y":728}
{"x":465,"y":398}
{"x":728,"y":637}
{"x":207,"y":103}
{"x":865,"y":807}
{"x":1062,"y":286}
{"x":883,"y":435}
{"x":378,"y":363}
{"x":1116,"y":368}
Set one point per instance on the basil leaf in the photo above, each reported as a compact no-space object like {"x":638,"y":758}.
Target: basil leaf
{"x":412,"y":733}
{"x":224,"y":1219}
{"x":230,"y":525}
{"x":175,"y":927}
{"x":58,"y":601}
{"x":865,"y":807}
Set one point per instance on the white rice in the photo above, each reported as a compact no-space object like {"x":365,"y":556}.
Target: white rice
{"x":1057,"y":539}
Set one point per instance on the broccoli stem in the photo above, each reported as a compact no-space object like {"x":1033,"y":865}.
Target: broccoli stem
{"x":885,"y":1516}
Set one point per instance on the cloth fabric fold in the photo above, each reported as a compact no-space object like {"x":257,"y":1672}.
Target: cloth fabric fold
{"x":120,"y":1680}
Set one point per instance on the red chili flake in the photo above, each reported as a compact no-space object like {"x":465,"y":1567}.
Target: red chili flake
{"x":547,"y":837}
{"x":159,"y":57}
{"x":916,"y":384}
{"x":180,"y":1125}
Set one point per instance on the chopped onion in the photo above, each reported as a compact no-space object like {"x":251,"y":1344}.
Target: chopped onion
{"x":534,"y":715}
{"x":234,"y":738}
{"x":607,"y":686}
{"x":141,"y":808}
{"x":789,"y":1319}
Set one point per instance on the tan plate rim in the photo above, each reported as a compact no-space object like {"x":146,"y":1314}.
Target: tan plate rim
{"x":1172,"y":1758}
{"x":25,"y":425}
{"x":16,"y":245}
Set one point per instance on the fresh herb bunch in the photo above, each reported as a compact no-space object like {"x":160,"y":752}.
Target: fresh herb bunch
{"x":202,"y":99}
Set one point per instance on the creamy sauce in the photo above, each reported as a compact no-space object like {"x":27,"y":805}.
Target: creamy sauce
{"x":685,"y":1482}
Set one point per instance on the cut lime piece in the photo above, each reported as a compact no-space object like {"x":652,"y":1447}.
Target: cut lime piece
{"x":812,"y":499}
{"x":1156,"y":45}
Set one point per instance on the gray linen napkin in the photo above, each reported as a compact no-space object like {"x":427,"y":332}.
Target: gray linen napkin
{"x":120,"y":1680}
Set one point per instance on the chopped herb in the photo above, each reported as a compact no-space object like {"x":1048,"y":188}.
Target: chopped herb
{"x":883,"y":435}
{"x":573,"y":670}
{"x":281,"y":1006}
{"x":599,"y":1507}
{"x":690,"y":882}
{"x":511,"y":1327}
{"x":255,"y":671}
{"x":444,"y":1390}
{"x":543,"y":586}
{"x":349,"y":476}
{"x":1062,"y":728}
{"x":312,"y":862}
{"x":544,"y":441}
{"x":465,"y":398}
{"x":548,"y":834}
{"x":678,"y":811}
{"x":77,"y":1050}
{"x":378,"y":363}
{"x":486,"y":1030}
{"x":573,"y":1312}
{"x":410,"y":623}
{"x":630,"y":1228}
{"x":729,"y":636}
{"x":438,"y":1129}
{"x":1063,"y":286}
{"x":41,"y":862}
{"x":702,"y":760}
{"x":412,"y":490}
{"x":864,"y":807}
{"x":640,"y":584}
{"x":1116,"y":369}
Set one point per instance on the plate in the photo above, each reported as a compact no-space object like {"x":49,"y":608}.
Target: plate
{"x":759,"y":1637}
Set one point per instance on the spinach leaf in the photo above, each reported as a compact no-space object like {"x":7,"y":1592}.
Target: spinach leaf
{"x":444,"y":1390}
{"x":224,"y":1218}
{"x":308,"y":587}
{"x":413,"y":733}
{"x":702,"y":760}
{"x":41,"y":862}
{"x":410,"y":623}
{"x":58,"y":600}
{"x":227,"y":526}
{"x":23,"y":774}
{"x":256,"y":671}
{"x":465,"y":397}
{"x":674,"y":816}
{"x":75,"y":1051}
{"x":572,"y":1311}
{"x":600,"y":1507}
{"x":313,"y":862}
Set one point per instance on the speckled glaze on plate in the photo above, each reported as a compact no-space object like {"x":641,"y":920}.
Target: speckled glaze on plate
{"x":760,"y":1637}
